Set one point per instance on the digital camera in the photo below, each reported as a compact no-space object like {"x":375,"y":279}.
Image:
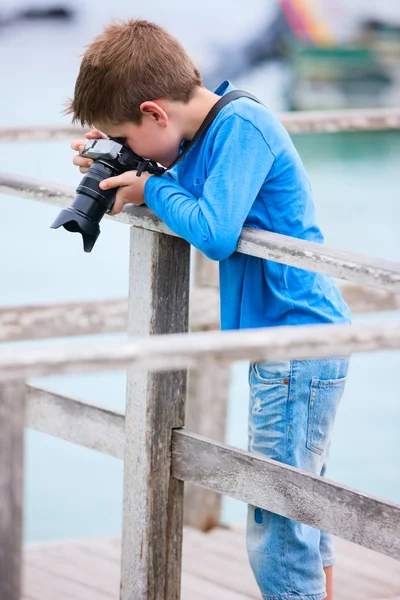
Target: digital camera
{"x":111,"y":157}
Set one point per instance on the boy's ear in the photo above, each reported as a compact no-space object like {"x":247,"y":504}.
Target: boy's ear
{"x":154,"y":111}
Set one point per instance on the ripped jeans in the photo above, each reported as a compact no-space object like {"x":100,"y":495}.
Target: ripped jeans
{"x":292,"y":410}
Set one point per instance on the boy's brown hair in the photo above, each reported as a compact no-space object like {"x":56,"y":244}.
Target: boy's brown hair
{"x":129,"y":63}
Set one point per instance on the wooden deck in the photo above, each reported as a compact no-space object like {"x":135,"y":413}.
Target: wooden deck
{"x":215,"y":567}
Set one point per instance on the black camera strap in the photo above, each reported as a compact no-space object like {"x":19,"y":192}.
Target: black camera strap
{"x":229,"y":97}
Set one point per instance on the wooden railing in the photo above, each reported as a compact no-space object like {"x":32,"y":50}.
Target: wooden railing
{"x":324,"y":121}
{"x":111,"y":316}
{"x":159,"y":454}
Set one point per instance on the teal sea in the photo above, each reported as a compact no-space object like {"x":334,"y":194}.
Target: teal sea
{"x":74,"y":492}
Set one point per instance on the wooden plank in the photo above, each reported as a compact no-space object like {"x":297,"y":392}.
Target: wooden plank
{"x":12,"y":419}
{"x":284,"y":490}
{"x":56,"y":581}
{"x":87,"y":567}
{"x":218,"y":563}
{"x":40,"y":133}
{"x":93,"y":427}
{"x":75,"y":569}
{"x":104,"y":548}
{"x":37,"y":586}
{"x":204,"y":308}
{"x":207,"y":415}
{"x":110,"y":316}
{"x":327,"y":121}
{"x":107,"y":548}
{"x":302,"y":254}
{"x":103,"y":430}
{"x":199,"y":586}
{"x":226,"y":544}
{"x":75,"y":421}
{"x":204,"y":303}
{"x":61,"y":320}
{"x":360,"y":574}
{"x":63,"y":196}
{"x":218,"y":570}
{"x":319,"y":258}
{"x":362,"y":299}
{"x":153,"y":500}
{"x":177,"y":351}
{"x":206,"y":412}
{"x":206,"y":272}
{"x":85,"y":318}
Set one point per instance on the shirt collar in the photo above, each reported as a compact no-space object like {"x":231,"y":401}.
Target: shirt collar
{"x":225,"y":87}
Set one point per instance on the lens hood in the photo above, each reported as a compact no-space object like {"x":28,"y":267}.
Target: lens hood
{"x":75,"y":221}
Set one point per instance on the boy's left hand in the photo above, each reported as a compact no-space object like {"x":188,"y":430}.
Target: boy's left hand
{"x":131,"y":189}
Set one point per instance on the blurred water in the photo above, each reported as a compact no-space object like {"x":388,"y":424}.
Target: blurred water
{"x":71,"y":491}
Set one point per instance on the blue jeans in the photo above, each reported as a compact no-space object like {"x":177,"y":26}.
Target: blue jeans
{"x":292,"y":410}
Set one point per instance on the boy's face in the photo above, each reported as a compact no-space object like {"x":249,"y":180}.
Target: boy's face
{"x":154,"y":138}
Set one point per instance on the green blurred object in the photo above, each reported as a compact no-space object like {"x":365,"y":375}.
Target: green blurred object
{"x":363,"y":74}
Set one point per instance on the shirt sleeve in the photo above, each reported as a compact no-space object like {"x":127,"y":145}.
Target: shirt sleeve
{"x":240,"y":162}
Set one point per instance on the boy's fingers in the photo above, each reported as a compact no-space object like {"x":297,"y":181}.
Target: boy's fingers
{"x":113,"y":182}
{"x":96,"y":134}
{"x":118,"y":205}
{"x":78,"y":145}
{"x":81,"y":161}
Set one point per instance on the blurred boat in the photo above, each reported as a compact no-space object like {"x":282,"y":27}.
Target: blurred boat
{"x":339,"y":56}
{"x":360,"y":72}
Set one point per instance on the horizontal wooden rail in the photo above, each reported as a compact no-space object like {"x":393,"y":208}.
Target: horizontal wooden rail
{"x":61,"y":320}
{"x":62,"y":196}
{"x":41,"y":133}
{"x":76,"y":421}
{"x":180,"y":351}
{"x":295,"y":122}
{"x":93,"y":317}
{"x":319,"y":258}
{"x":362,"y":299}
{"x":110,"y":316}
{"x":287,"y":491}
{"x":329,"y":121}
{"x":248,"y":477}
{"x":352,"y":266}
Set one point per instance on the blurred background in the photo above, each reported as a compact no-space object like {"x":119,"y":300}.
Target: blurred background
{"x":292,"y":54}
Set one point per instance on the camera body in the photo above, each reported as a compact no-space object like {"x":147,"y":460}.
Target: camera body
{"x":116,"y":155}
{"x":111,"y":158}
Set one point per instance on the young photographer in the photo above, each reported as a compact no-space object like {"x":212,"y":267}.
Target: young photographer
{"x":136,"y":82}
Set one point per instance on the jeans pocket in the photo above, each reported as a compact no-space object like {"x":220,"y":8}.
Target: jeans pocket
{"x":271,"y":373}
{"x":324,"y":399}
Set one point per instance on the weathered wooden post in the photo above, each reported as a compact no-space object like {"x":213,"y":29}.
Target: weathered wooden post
{"x":12,"y":421}
{"x":207,"y":406}
{"x":153,"y":500}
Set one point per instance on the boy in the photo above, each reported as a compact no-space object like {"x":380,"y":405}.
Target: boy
{"x":136,"y":82}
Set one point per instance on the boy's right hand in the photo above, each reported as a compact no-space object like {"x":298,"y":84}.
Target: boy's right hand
{"x":80,"y":161}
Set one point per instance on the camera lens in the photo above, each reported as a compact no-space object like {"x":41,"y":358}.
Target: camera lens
{"x":89,"y":206}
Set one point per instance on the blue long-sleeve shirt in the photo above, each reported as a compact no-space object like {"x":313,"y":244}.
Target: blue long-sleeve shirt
{"x":245,"y":171}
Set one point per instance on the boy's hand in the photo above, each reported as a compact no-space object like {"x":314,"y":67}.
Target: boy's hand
{"x":80,"y":161}
{"x":131,"y":189}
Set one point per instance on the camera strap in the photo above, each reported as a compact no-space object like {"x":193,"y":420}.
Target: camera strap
{"x":229,"y":97}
